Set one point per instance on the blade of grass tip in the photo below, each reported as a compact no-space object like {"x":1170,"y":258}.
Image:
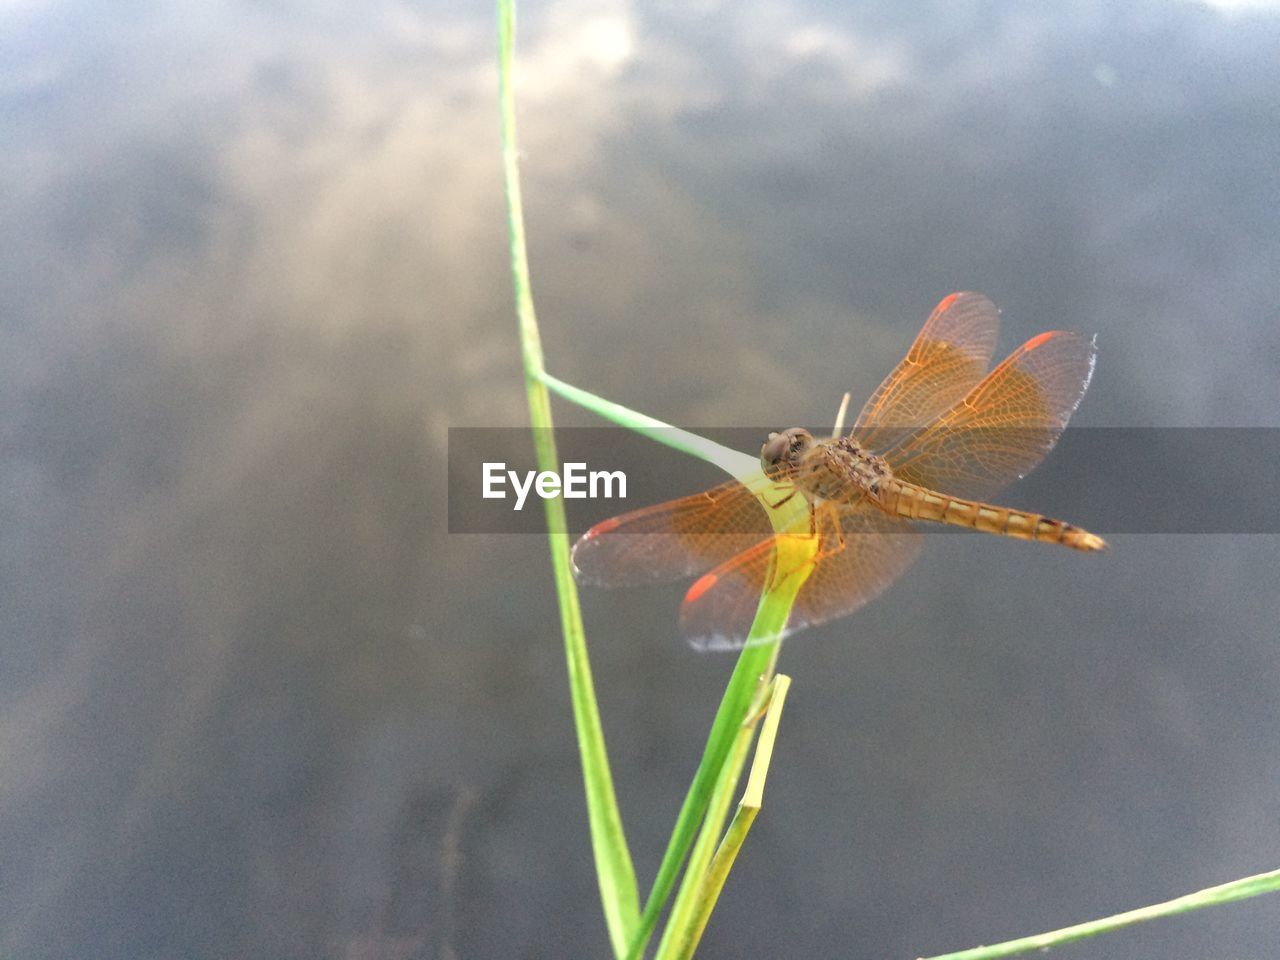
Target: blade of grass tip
{"x":619,"y":895}
{"x":753,"y":797}
{"x":1212,"y":896}
{"x":756,"y":661}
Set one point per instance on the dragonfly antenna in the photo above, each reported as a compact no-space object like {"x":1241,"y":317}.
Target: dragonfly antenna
{"x":844,"y":408}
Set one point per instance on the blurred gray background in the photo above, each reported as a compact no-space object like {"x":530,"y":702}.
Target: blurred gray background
{"x":256,"y":702}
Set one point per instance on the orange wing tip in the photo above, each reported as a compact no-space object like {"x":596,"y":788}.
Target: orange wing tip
{"x":947,"y":301}
{"x":700,"y":586}
{"x":1039,"y":339}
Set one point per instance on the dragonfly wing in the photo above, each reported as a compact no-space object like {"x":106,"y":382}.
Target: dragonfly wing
{"x":1006,"y":425}
{"x":872,"y":551}
{"x":718,"y":609}
{"x":671,"y":540}
{"x":949,"y":356}
{"x":861,"y":551}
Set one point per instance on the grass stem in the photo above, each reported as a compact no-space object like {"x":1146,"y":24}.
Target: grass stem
{"x":614,"y":870}
{"x":1212,"y":896}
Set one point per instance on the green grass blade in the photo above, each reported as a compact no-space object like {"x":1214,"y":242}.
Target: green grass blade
{"x":687,"y":934}
{"x":1212,"y":896}
{"x":677,"y":938}
{"x":771,"y":618}
{"x":618,"y":892}
{"x":613,"y":862}
{"x":675,"y":935}
{"x":733,"y":462}
{"x":755,"y":662}
{"x":734,"y":705}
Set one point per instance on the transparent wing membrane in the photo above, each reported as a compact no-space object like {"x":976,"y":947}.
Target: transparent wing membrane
{"x":672,"y":540}
{"x":861,"y":551}
{"x":1005,"y":425}
{"x":947,"y":359}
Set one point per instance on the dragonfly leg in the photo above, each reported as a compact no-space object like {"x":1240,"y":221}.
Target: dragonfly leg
{"x":839,"y":536}
{"x":775,"y":506}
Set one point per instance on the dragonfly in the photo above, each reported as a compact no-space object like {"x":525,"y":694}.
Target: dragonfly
{"x":939,"y":437}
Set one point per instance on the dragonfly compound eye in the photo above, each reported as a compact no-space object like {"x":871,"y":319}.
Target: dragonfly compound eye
{"x":800,"y":441}
{"x":775,"y":448}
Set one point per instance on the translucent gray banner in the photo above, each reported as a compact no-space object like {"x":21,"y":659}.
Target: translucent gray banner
{"x":1111,"y":480}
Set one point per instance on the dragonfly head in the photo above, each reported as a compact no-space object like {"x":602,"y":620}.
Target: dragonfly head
{"x":785,"y":449}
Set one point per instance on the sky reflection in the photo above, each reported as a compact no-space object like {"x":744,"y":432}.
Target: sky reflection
{"x":254,"y":700}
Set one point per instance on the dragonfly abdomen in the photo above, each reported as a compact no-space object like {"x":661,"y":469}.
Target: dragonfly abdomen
{"x":918,"y":503}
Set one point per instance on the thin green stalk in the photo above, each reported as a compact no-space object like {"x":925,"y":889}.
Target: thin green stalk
{"x":733,"y":462}
{"x":791,"y":553}
{"x":738,"y":694}
{"x":756,"y":661}
{"x":616,"y":875}
{"x":676,"y":933}
{"x":1212,"y":896}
